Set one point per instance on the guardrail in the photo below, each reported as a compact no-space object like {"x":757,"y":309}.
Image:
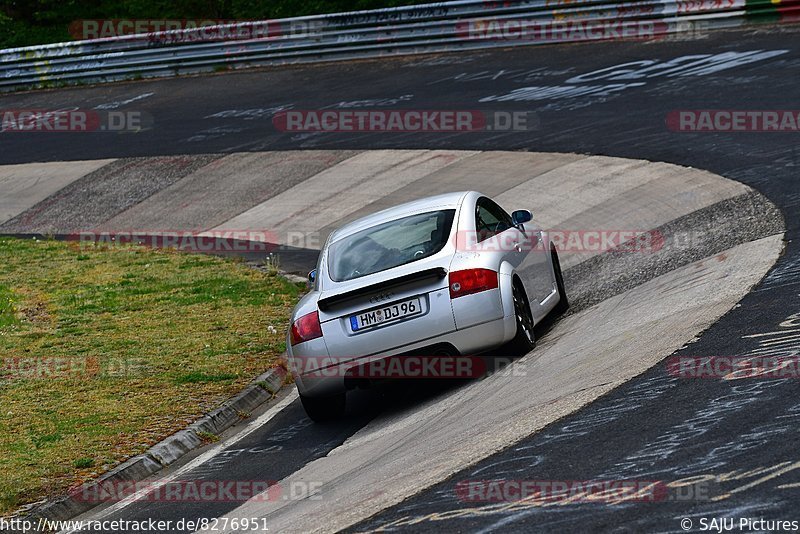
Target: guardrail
{"x":428,"y":28}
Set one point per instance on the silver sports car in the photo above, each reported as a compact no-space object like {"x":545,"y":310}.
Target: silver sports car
{"x":445,"y":276}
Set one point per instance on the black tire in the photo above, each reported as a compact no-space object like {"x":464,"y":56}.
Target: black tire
{"x":324,"y":409}
{"x":525,"y":338}
{"x":563,"y":302}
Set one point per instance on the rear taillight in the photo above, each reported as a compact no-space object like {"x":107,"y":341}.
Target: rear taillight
{"x":471,"y":281}
{"x":306,"y":328}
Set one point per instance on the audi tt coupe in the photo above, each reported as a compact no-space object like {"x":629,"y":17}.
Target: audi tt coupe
{"x":448,"y":275}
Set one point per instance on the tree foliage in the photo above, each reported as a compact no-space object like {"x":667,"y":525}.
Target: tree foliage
{"x":30,"y":22}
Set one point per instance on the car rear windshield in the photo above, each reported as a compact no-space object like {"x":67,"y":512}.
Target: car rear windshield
{"x":389,"y":245}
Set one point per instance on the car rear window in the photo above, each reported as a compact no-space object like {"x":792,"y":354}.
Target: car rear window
{"x":389,"y":245}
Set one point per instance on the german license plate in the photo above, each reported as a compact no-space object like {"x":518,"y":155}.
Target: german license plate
{"x":385,"y":314}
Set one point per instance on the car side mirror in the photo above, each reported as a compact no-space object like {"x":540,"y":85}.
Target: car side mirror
{"x":521,"y":217}
{"x":312,"y":278}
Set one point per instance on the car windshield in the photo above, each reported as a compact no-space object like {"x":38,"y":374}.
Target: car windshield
{"x":388,"y":245}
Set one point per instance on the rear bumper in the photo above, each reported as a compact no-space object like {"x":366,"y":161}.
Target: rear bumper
{"x":332,"y":376}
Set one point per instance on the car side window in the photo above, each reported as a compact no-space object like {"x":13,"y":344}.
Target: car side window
{"x":490,"y":219}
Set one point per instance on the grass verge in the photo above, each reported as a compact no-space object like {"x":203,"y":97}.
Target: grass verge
{"x":106,"y":351}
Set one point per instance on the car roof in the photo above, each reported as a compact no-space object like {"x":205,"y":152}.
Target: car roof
{"x":433,"y":203}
